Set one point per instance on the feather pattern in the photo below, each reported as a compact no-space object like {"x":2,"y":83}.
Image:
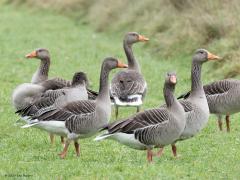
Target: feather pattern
{"x":73,"y":108}
{"x":153,"y":127}
{"x":127,"y":83}
{"x":222,"y":96}
{"x":59,"y":83}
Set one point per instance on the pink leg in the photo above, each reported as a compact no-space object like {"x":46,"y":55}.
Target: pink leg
{"x":64,"y":152}
{"x":228,"y":123}
{"x":62,"y":140}
{"x":149,"y":155}
{"x":76,"y":144}
{"x":220,"y":124}
{"x":174,"y":150}
{"x":51,"y":138}
{"x":160,"y":152}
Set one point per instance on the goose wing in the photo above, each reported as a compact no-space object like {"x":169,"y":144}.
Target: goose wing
{"x":187,"y":105}
{"x":56,"y":83}
{"x":43,"y":100}
{"x":139,"y":121}
{"x":70,"y":110}
{"x":59,"y":83}
{"x":92,"y":95}
{"x":215,"y":88}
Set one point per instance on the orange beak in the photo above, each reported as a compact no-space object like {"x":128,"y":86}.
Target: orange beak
{"x":173,"y":79}
{"x":142,"y":38}
{"x":212,"y":56}
{"x":121,"y":65}
{"x":31,"y":55}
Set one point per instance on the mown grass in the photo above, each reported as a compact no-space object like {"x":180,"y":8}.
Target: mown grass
{"x":75,"y":47}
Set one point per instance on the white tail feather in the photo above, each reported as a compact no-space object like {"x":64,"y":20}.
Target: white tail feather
{"x":102,"y":137}
{"x":29,"y":125}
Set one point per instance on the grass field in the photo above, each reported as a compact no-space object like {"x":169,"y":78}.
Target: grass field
{"x":27,"y":153}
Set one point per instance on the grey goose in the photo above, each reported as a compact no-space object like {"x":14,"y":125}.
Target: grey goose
{"x":151,"y":128}
{"x":57,"y":99}
{"x":128,"y":87}
{"x":23,"y":94}
{"x":195,"y":106}
{"x":223,"y":99}
{"x":80,"y":119}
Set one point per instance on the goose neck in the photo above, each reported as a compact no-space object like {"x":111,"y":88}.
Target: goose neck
{"x":104,"y":85}
{"x":169,"y":97}
{"x":44,"y":67}
{"x":132,"y":62}
{"x":196,"y":77}
{"x":42,"y":72}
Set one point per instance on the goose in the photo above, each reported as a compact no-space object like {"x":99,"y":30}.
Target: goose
{"x":23,"y":94}
{"x":41,"y":75}
{"x":151,"y":128}
{"x":128,"y":87}
{"x":223,"y":99}
{"x":195,"y":106}
{"x":80,"y":119}
{"x":42,"y":72}
{"x":57,"y":98}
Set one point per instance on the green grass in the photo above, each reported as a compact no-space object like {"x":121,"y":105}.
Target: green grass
{"x":75,"y":47}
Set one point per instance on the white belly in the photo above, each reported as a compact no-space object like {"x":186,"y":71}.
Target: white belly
{"x":53,"y":127}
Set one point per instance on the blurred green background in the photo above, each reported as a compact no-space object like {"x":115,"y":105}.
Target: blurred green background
{"x":175,"y":26}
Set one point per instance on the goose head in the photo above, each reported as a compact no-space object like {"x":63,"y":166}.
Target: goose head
{"x":79,"y":78}
{"x":133,"y":37}
{"x":110,"y":63}
{"x":40,"y":53}
{"x":171,"y":78}
{"x":202,"y":55}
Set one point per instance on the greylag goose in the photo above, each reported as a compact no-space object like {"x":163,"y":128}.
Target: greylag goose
{"x":151,"y":128}
{"x":195,"y":106}
{"x":80,"y":119}
{"x":128,"y":87}
{"x":23,"y":94}
{"x":42,"y":72}
{"x":41,"y":75}
{"x":57,"y":98}
{"x":223,"y":99}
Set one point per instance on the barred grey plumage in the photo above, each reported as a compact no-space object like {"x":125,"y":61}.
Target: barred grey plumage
{"x":128,"y":83}
{"x":223,"y":98}
{"x":196,"y":106}
{"x":151,"y":128}
{"x":24,"y":94}
{"x":59,"y":83}
{"x":58,"y":98}
{"x":80,"y":119}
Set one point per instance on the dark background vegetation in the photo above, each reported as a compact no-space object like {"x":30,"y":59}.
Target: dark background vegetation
{"x":176,"y":27}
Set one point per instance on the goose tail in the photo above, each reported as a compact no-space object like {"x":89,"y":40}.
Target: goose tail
{"x":102,"y":137}
{"x":30,"y":124}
